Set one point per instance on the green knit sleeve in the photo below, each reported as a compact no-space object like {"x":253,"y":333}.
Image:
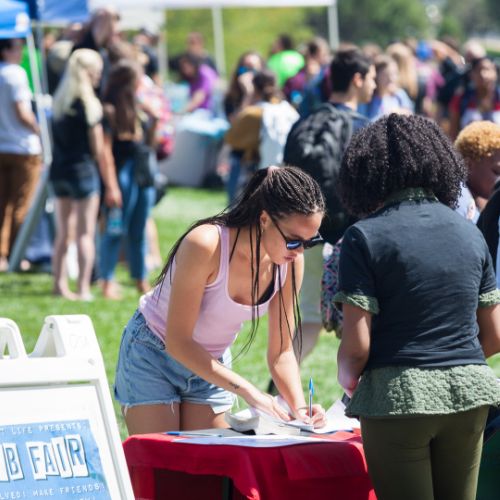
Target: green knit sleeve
{"x":369,"y":304}
{"x":489,"y":298}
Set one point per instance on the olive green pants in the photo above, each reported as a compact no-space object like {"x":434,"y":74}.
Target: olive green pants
{"x":433,"y":457}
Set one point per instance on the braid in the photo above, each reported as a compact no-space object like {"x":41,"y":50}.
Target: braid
{"x":290,"y":190}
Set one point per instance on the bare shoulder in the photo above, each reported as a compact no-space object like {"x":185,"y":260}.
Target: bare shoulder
{"x":205,"y":236}
{"x":201,"y":242}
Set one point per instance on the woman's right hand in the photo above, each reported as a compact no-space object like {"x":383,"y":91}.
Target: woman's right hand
{"x":267,"y":404}
{"x":113,"y":197}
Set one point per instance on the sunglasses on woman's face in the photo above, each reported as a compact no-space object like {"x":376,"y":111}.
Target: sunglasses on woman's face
{"x":293,"y":244}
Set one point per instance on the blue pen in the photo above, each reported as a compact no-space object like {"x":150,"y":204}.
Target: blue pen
{"x":192,"y":434}
{"x":311,"y":394}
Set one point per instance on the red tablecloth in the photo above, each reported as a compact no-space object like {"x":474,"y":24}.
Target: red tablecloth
{"x":332,"y":470}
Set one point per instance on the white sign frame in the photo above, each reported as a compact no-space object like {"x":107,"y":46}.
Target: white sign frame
{"x":63,"y":379}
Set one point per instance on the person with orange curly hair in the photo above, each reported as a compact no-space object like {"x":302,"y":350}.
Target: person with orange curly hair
{"x":479,"y":144}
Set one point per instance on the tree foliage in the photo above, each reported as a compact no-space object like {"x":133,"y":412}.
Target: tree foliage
{"x":493,"y":11}
{"x":381,"y":21}
{"x":472,"y":17}
{"x":244,"y":29}
{"x":360,"y":21}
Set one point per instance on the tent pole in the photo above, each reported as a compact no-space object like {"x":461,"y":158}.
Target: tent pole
{"x":163,"y":50}
{"x":43,"y":70}
{"x":333,"y":25}
{"x":162,"y":55}
{"x":218,"y":28}
{"x":40,"y":105}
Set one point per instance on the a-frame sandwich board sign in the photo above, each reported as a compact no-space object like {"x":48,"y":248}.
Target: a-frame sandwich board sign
{"x":58,"y":432}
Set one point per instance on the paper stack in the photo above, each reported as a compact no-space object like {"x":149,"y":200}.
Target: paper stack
{"x":254,"y":421}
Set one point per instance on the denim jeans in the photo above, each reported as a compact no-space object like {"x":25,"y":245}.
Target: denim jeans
{"x":239,"y":175}
{"x":137,"y":204}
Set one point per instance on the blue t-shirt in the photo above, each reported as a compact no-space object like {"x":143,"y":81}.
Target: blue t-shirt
{"x":423,"y":267}
{"x":380,"y":106}
{"x":358,"y":120}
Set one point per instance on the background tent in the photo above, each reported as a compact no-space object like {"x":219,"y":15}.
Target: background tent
{"x":14,"y":20}
{"x":54,"y":12}
{"x":58,"y":11}
{"x":216,"y":6}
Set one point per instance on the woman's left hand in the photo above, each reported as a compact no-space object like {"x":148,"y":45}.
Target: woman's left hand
{"x":318,"y":418}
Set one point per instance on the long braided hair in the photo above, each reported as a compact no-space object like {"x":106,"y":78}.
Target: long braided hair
{"x":281,"y":192}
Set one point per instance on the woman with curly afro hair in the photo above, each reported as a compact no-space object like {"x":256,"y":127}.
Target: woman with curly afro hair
{"x":421,"y":313}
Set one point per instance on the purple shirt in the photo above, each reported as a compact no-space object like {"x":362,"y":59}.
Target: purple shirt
{"x":295,"y":85}
{"x":206,"y":82}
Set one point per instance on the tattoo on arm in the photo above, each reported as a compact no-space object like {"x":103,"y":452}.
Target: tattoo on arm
{"x":234,"y":386}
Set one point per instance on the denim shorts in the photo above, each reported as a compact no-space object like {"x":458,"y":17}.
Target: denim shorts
{"x":77,"y":189}
{"x":146,"y":374}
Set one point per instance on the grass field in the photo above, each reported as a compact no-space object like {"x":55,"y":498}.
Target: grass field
{"x":26,"y":299}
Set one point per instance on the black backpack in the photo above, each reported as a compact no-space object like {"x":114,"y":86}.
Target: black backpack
{"x":316,"y":144}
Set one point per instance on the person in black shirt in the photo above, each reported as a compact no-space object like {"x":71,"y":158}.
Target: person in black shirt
{"x":99,"y":34}
{"x":78,"y":161}
{"x":421,"y":312}
{"x":129,"y":136}
{"x":102,"y":29}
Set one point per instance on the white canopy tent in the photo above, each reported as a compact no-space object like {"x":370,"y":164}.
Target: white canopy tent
{"x":134,"y":15}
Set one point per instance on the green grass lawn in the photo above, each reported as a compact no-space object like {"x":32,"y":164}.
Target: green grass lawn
{"x":27,"y":300}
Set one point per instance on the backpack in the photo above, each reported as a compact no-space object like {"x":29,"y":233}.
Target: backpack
{"x":331,"y":315}
{"x":277,"y":120}
{"x":316,"y":144}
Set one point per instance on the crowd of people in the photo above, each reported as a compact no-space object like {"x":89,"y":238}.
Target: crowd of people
{"x":437,"y":79}
{"x":377,"y":172}
{"x":357,"y":182}
{"x":109,"y":116}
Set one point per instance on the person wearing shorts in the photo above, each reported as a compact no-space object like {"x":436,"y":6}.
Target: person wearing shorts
{"x":74,"y":173}
{"x":170,"y":382}
{"x":174,"y":366}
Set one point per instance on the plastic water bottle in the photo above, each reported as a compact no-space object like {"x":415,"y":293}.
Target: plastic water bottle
{"x":114,"y":224}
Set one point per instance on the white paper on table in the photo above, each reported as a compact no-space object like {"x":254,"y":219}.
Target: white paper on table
{"x":337,"y":421}
{"x":250,"y":420}
{"x":335,"y":415}
{"x":267,"y":441}
{"x":294,"y":423}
